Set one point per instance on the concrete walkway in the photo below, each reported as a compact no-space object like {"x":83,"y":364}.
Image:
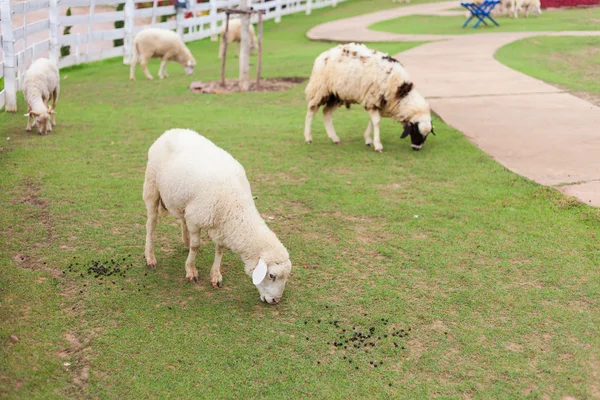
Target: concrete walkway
{"x":529,"y":126}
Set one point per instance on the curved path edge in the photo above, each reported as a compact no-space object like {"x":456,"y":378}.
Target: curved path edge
{"x":532,"y":128}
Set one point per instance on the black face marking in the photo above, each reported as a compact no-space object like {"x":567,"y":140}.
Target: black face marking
{"x":416,"y":138}
{"x":404,"y":90}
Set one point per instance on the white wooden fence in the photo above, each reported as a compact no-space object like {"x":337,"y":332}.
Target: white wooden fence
{"x":93,"y":31}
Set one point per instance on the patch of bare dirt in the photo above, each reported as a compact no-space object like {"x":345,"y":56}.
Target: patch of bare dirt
{"x":232,"y":85}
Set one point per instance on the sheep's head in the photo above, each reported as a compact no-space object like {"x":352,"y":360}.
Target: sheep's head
{"x":270,"y":278}
{"x":42,"y":120}
{"x":418,"y":131}
{"x":189,"y":66}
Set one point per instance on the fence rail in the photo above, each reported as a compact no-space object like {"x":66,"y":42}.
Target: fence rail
{"x":93,"y":33}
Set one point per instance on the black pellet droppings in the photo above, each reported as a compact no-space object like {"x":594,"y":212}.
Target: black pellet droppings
{"x":81,"y":291}
{"x":385,"y":336}
{"x":318,"y":362}
{"x":371,"y":362}
{"x":383,"y":319}
{"x":307,"y":338}
{"x":355,"y":367}
{"x":326,"y":306}
{"x":345,"y":357}
{"x":122,"y":288}
{"x":170,"y":308}
{"x":390,"y":385}
{"x":402,"y":347}
{"x":318,"y":321}
{"x":305,"y":322}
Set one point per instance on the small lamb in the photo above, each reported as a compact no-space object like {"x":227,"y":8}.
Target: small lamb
{"x":235,"y":35}
{"x":42,"y":83}
{"x":206,"y":189}
{"x":160,"y":43}
{"x":354,"y":74}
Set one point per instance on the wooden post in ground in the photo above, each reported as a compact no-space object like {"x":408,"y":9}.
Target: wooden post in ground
{"x":260,"y":34}
{"x":224,"y":52}
{"x":53,"y":19}
{"x":244,"y":79}
{"x":128,"y":29}
{"x":8,"y":50}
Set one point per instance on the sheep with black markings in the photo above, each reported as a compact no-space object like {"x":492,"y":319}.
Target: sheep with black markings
{"x":206,"y":189}
{"x":41,"y":84}
{"x":234,"y":34}
{"x":354,"y":74}
{"x":160,"y":43}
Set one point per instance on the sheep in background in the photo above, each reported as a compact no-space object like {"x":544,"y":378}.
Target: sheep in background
{"x":160,"y":43}
{"x":235,"y":35}
{"x":527,"y":5}
{"x":42,"y":83}
{"x":206,"y":188}
{"x":354,"y":74}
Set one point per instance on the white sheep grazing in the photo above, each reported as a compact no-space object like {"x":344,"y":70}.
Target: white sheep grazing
{"x":163,"y":44}
{"x":235,"y":35}
{"x":354,"y":74}
{"x":206,"y":189}
{"x":527,"y":5}
{"x":42,"y":83}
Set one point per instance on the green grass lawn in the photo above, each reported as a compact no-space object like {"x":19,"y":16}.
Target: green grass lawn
{"x":551,"y":20}
{"x":475,"y":281}
{"x":568,"y":62}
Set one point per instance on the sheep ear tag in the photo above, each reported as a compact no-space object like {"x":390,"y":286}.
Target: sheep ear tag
{"x":259,"y":273}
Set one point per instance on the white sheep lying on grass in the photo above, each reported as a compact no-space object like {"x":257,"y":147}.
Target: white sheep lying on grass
{"x":163,"y":44}
{"x":235,"y":35}
{"x":42,"y":83}
{"x":526,"y":5}
{"x":354,"y":74}
{"x":206,"y":189}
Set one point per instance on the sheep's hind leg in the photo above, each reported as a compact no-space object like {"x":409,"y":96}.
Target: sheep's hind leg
{"x":215,"y":271}
{"x":144,"y":64}
{"x":185,"y":234}
{"x":328,"y":120}
{"x":151,"y":200}
{"x":375,"y":119}
{"x":308,"y":122}
{"x":368,"y":140}
{"x":191,"y":273}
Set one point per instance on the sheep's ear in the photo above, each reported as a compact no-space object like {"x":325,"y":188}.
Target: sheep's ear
{"x":259,"y":273}
{"x":407,"y":128}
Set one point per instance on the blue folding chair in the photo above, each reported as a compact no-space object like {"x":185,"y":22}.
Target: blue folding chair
{"x":481,"y":12}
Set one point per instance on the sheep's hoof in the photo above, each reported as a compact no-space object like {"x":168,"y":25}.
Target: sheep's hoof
{"x":308,"y":141}
{"x":368,"y":144}
{"x":378,"y":150}
{"x":193,"y":278}
{"x":217,"y":281}
{"x":336,"y":142}
{"x":131,"y":78}
{"x":28,"y":129}
{"x":151,"y":263}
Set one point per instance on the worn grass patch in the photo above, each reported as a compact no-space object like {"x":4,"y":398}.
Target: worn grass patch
{"x":570,"y":63}
{"x":551,"y":20}
{"x":476,"y":282}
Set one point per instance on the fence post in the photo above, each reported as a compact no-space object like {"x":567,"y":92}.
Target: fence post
{"x":213,"y":20}
{"x":179,"y":18}
{"x":278,"y":11}
{"x":308,"y":7}
{"x":8,"y":50}
{"x":53,"y":18}
{"x":129,"y":25}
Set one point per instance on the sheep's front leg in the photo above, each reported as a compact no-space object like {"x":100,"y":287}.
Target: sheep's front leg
{"x":328,"y":120}
{"x":191,"y":273}
{"x":308,"y":122}
{"x":162,"y":71}
{"x":375,"y":119}
{"x":215,"y":271}
{"x":368,"y":140}
{"x":28,"y":128}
